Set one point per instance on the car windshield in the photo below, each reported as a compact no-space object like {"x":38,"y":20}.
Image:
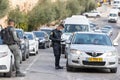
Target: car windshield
{"x":108,"y":27}
{"x":39,"y":34}
{"x":69,"y":28}
{"x":95,"y":39}
{"x":47,"y":31}
{"x":29,"y":36}
{"x":20,"y":34}
{"x":113,"y":15}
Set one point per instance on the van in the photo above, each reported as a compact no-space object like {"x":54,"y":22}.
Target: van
{"x":76,"y":23}
{"x":116,"y":5}
{"x":113,"y":15}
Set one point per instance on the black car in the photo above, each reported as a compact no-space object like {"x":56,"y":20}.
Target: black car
{"x":43,"y":37}
{"x":24,"y":44}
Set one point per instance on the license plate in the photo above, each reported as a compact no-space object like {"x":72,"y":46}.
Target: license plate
{"x":95,"y":59}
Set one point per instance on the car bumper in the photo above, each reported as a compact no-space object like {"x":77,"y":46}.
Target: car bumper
{"x":5,"y":64}
{"x":112,"y":20}
{"x":41,"y":44}
{"x":32,"y":49}
{"x":82,"y":62}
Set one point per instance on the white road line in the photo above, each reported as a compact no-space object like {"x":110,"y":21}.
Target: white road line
{"x":30,"y":65}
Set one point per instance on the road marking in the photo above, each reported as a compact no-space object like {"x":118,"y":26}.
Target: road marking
{"x":30,"y":65}
{"x":117,"y":38}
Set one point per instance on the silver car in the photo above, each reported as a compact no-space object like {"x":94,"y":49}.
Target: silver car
{"x":91,"y":50}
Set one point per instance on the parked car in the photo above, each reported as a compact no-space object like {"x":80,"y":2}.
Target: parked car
{"x":43,"y":37}
{"x":91,"y":50}
{"x":6,"y":60}
{"x":113,"y":16}
{"x":93,"y":26}
{"x":33,"y":42}
{"x":92,"y":13}
{"x":47,"y":30}
{"x":108,"y":30}
{"x":24,"y":44}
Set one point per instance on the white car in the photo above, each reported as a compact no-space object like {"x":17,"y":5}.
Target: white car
{"x":6,"y":60}
{"x":33,"y":43}
{"x":91,"y":50}
{"x":93,"y":13}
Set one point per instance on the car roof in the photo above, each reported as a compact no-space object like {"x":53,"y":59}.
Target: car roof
{"x":28,"y":32}
{"x":90,"y":33}
{"x":46,"y":28}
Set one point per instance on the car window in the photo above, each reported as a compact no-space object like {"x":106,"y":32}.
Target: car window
{"x":30,"y":36}
{"x":20,"y":34}
{"x":39,"y":34}
{"x":69,"y":28}
{"x":47,"y":31}
{"x":96,"y":39}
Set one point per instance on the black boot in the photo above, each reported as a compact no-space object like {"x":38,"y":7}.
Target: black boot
{"x":19,"y":74}
{"x":58,"y":67}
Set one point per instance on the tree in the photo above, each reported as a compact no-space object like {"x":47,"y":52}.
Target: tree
{"x":4,"y":6}
{"x":20,"y":18}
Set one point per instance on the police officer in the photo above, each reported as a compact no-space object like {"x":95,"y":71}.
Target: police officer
{"x":14,"y":47}
{"x":55,"y":36}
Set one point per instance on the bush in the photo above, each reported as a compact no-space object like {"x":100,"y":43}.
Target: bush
{"x":4,"y":7}
{"x":45,"y":11}
{"x":20,"y":18}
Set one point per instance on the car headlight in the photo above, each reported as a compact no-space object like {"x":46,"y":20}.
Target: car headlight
{"x":42,"y":40}
{"x":74,"y":51}
{"x":112,"y":53}
{"x":3,"y":54}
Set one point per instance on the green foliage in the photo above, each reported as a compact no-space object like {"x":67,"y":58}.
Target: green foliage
{"x":46,"y":11}
{"x":4,"y":5}
{"x":20,"y":18}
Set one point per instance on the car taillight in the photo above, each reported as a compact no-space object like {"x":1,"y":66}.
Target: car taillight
{"x":3,"y":54}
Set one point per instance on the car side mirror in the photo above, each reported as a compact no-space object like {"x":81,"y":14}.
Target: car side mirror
{"x":36,"y":39}
{"x":115,"y":44}
{"x":25,"y":37}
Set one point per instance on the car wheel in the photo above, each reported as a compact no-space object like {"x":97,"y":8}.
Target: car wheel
{"x":24,"y":57}
{"x":45,"y":46}
{"x":28,"y":54}
{"x":9,"y":74}
{"x":114,"y":70}
{"x":86,"y":15}
{"x":98,"y":16}
{"x":68,"y":67}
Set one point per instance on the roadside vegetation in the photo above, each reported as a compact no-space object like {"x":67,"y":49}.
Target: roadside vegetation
{"x":4,"y":7}
{"x":47,"y":12}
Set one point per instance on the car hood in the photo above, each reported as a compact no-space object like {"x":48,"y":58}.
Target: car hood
{"x":3,"y":48}
{"x":99,"y":48}
{"x":66,"y":36}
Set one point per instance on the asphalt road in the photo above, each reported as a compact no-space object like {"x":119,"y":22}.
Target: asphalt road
{"x":41,"y":66}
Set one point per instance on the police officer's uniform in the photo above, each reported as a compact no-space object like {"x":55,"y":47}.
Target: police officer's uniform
{"x":55,"y":36}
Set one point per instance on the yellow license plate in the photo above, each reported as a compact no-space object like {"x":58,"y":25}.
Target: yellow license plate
{"x":95,"y":59}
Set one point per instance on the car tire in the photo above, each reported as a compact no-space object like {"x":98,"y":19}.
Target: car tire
{"x":45,"y":46}
{"x":28,"y":55}
{"x":68,"y":67}
{"x":9,"y":74}
{"x":98,"y":16}
{"x":114,"y":70}
{"x":24,"y":57}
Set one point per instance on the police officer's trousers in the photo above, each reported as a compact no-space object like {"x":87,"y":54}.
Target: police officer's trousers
{"x":16,"y":52}
{"x":57,"y":53}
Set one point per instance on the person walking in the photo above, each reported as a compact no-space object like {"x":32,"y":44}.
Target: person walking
{"x":55,"y":36}
{"x":10,"y":38}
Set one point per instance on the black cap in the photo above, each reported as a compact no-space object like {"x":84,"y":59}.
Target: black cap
{"x":61,"y":25}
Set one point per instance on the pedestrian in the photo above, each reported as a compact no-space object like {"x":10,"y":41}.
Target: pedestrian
{"x":10,"y":38}
{"x":55,"y":36}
